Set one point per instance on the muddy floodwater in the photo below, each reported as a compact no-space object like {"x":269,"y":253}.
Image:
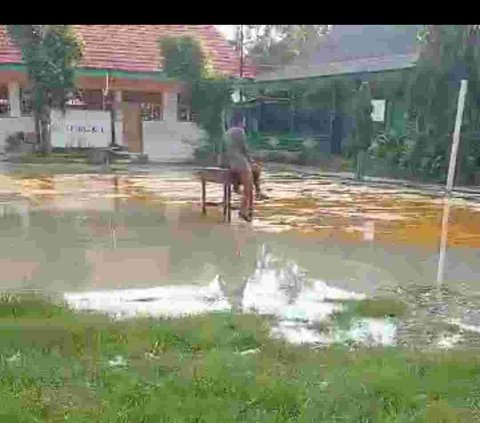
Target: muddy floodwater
{"x":136,"y":243}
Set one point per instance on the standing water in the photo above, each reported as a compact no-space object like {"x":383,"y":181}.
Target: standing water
{"x":138,"y":244}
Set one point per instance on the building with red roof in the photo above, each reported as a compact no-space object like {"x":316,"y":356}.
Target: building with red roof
{"x":121,"y":69}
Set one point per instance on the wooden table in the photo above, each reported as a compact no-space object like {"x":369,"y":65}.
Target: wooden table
{"x":217,"y":175}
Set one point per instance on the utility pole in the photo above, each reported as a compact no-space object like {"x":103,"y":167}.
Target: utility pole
{"x":456,"y":135}
{"x":241,"y":51}
{"x":241,"y":60}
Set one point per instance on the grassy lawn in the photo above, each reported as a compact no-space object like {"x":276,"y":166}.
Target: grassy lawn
{"x":55,"y":157}
{"x":60,"y":366}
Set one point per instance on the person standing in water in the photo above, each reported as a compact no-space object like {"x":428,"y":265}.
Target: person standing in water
{"x":239,"y":162}
{"x":256,"y":174}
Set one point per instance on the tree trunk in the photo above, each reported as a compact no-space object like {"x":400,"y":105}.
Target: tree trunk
{"x":112,"y":126}
{"x":38,"y":134}
{"x":360,"y":164}
{"x":46,"y":145}
{"x":218,"y":151}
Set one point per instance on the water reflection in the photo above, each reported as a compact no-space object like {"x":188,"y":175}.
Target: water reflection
{"x":81,"y":233}
{"x":443,"y":241}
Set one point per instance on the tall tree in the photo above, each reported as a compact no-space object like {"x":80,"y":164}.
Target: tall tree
{"x":271,"y":46}
{"x":448,"y":53}
{"x":50,"y":53}
{"x":185,"y":59}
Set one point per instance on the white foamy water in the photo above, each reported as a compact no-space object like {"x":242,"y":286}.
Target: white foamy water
{"x":369,"y":331}
{"x":464,"y":326}
{"x":285,"y":295}
{"x":449,"y":341}
{"x":274,"y":289}
{"x":165,"y":301}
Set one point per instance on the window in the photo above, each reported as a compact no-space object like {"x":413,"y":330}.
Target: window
{"x":151,"y":111}
{"x":378,"y":112}
{"x":184,"y":109}
{"x":150,"y":104}
{"x":26,"y":107}
{"x":76,"y":100}
{"x":86,"y":100}
{"x":4,"y":103}
{"x":93,"y":99}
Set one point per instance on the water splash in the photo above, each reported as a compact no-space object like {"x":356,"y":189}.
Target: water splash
{"x":165,"y":301}
{"x":299,"y":304}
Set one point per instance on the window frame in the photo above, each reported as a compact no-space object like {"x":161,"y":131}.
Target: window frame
{"x":5,"y":101}
{"x":22,"y":92}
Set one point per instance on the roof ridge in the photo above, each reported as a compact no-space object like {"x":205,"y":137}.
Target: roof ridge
{"x":135,"y":47}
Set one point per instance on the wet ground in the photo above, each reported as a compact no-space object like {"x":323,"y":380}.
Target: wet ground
{"x":136,"y":242}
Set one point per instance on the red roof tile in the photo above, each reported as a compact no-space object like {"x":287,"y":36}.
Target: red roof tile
{"x":135,"y":48}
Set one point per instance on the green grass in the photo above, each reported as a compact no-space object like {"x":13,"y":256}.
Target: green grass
{"x":380,"y":307}
{"x":371,"y":307}
{"x":54,"y":367}
{"x":54,"y":158}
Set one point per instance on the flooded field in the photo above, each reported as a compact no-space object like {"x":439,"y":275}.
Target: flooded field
{"x":137,"y":243}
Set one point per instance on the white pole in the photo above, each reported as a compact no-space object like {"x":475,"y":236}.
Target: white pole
{"x":456,"y":135}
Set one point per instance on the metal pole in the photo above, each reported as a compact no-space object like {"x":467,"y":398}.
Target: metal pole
{"x":241,"y":62}
{"x":241,"y":51}
{"x":456,"y":135}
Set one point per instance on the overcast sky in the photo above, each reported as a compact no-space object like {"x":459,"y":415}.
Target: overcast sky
{"x":227,"y":30}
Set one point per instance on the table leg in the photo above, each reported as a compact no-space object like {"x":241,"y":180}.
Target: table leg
{"x":251,"y":201}
{"x":229,"y":203}
{"x":225,"y":202}
{"x":204,"y":195}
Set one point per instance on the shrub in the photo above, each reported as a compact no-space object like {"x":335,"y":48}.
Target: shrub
{"x":14,"y":141}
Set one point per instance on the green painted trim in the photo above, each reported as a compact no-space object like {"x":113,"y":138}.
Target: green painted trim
{"x":13,"y":67}
{"x":338,"y":75}
{"x":158,"y":76}
{"x":155,"y":76}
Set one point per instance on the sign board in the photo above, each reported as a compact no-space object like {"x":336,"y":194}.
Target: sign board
{"x":378,"y":113}
{"x":81,"y":129}
{"x":236,"y":96}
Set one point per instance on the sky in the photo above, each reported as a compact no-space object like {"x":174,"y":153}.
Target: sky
{"x":227,"y":30}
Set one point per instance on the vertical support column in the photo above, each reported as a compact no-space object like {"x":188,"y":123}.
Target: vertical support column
{"x":170,"y":104}
{"x":117,"y":118}
{"x":14,"y":99}
{"x":117,"y":102}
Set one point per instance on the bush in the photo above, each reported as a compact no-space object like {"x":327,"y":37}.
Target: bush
{"x":311,"y":155}
{"x":205,"y":155}
{"x":409,"y":151}
{"x":275,"y":142}
{"x":14,"y":142}
{"x":390,"y":146}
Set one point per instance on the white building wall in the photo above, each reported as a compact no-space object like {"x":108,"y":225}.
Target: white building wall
{"x":14,"y":99}
{"x":166,"y":140}
{"x":78,"y":128}
{"x":170,"y":140}
{"x":81,"y":128}
{"x":118,"y":118}
{"x":14,"y":123}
